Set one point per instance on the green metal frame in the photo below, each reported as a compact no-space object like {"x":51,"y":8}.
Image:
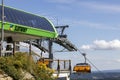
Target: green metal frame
{"x":29,"y":30}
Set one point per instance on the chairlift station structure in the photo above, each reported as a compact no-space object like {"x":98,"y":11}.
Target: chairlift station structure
{"x":22,"y":25}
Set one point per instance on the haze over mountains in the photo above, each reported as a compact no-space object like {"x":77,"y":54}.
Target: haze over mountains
{"x":103,"y":75}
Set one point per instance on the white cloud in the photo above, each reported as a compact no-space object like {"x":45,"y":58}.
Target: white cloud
{"x":101,"y":6}
{"x":95,"y":5}
{"x":62,"y":1}
{"x":86,"y":46}
{"x":103,"y":45}
{"x":118,"y":60}
{"x":91,"y":24}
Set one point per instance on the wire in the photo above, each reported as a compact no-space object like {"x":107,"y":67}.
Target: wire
{"x":103,"y":74}
{"x":88,"y":60}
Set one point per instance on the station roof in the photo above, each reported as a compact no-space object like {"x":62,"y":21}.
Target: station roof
{"x":25,"y":24}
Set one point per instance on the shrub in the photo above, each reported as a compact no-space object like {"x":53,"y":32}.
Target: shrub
{"x":15,"y":65}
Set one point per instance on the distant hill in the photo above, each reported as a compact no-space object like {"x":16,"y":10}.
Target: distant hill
{"x":116,"y":70}
{"x":104,"y":75}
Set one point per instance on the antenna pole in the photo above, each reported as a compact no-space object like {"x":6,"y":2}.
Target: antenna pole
{"x":2,"y":28}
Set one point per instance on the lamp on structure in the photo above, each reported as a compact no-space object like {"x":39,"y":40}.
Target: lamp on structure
{"x":2,"y":27}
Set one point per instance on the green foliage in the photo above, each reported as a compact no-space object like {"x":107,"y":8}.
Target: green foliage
{"x":7,"y":64}
{"x":15,"y":65}
{"x":43,"y":72}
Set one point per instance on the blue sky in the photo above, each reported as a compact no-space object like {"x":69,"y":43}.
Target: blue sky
{"x":94,"y":27}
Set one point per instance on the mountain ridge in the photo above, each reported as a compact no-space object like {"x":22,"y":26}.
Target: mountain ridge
{"x":98,"y":75}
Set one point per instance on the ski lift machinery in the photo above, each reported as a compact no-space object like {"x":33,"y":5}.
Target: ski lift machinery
{"x":82,"y":67}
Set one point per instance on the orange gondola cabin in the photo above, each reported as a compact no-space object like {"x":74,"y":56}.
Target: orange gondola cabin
{"x":82,"y":67}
